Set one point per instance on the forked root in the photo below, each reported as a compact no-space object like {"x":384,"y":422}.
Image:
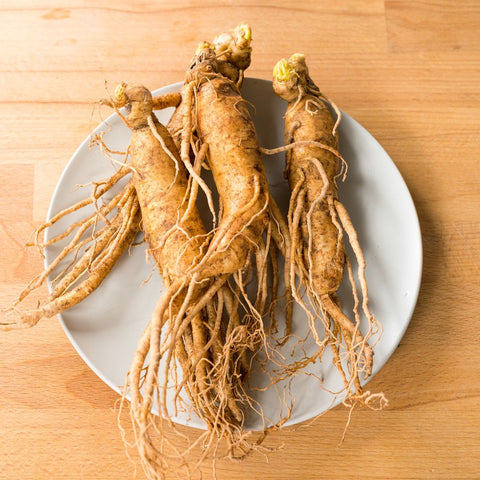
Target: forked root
{"x":212,"y":376}
{"x":88,"y":268}
{"x":352,"y":353}
{"x":215,"y":362}
{"x":319,"y":225}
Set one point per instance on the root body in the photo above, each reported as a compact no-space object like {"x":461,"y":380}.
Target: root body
{"x":318,"y":223}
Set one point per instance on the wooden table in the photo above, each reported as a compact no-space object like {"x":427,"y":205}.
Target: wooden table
{"x":408,"y":71}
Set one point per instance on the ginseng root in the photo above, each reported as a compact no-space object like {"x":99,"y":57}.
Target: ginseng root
{"x":318,"y":223}
{"x":217,"y":130}
{"x":188,"y":323}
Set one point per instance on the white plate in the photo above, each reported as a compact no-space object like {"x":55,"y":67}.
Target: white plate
{"x":105,"y":327}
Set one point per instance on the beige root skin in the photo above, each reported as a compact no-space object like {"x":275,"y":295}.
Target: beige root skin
{"x":231,"y":152}
{"x":178,"y":327}
{"x":181,"y":320}
{"x":318,"y":222}
{"x":224,"y":124}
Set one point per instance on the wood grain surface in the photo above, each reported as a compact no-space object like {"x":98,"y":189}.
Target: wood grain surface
{"x":408,"y":71}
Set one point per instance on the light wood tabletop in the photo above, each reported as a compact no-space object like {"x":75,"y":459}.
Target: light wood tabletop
{"x":407,"y":71}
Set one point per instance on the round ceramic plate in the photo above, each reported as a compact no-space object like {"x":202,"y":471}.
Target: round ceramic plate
{"x":105,"y":327}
